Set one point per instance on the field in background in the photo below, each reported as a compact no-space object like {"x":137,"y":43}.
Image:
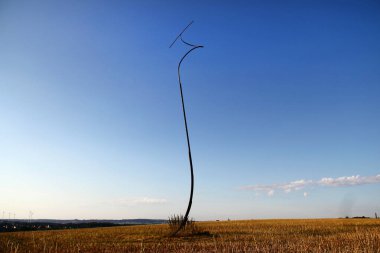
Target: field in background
{"x":319,"y":235}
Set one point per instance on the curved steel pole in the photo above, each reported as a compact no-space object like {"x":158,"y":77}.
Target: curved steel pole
{"x":186,"y":217}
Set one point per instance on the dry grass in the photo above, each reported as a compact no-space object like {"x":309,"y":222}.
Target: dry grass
{"x":322,"y":235}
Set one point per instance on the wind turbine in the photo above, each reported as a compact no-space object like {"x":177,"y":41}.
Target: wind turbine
{"x":30,"y":216}
{"x":193,"y":47}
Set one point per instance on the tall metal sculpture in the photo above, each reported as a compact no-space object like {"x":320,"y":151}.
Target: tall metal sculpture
{"x":193,"y":47}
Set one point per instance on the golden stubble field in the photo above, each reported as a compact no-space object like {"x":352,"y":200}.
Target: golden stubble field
{"x":309,"y":235}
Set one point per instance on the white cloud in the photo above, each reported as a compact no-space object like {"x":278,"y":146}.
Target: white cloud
{"x":295,"y":185}
{"x":138,"y":201}
{"x":146,"y":200}
{"x":287,"y":187}
{"x":349,"y":181}
{"x":324,"y":182}
{"x":305,"y":194}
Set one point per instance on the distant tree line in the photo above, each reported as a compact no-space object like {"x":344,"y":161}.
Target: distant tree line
{"x":7,"y":226}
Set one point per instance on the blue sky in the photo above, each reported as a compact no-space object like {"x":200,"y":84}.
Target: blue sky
{"x":283,"y":108}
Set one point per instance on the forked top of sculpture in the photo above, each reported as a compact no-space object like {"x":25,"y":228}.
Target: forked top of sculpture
{"x":180,"y":37}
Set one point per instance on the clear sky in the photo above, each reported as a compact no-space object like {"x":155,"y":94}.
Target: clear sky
{"x":283,"y":108}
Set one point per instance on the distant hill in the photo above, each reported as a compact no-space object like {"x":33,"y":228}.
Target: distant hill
{"x":13,"y":225}
{"x":76,"y":221}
